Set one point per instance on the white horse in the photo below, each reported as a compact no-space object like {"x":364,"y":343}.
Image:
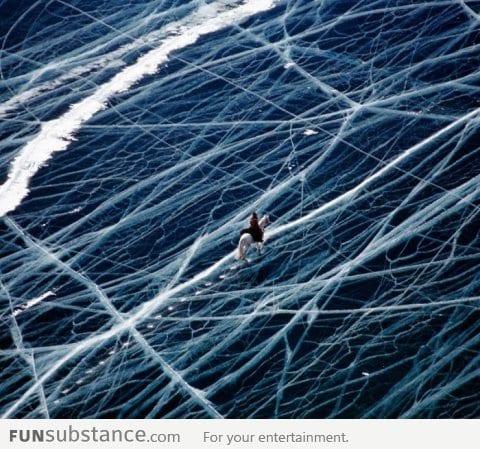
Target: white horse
{"x":246,"y":240}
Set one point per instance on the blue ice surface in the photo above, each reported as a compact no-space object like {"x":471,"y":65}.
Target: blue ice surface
{"x":353,"y":124}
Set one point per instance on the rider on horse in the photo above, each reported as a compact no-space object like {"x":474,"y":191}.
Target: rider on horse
{"x":254,"y":230}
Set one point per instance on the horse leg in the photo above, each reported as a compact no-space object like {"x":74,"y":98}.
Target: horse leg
{"x":247,"y":241}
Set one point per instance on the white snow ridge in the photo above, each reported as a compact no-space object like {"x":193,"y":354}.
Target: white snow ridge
{"x":56,"y":134}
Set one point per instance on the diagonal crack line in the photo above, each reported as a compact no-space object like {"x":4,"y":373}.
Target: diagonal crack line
{"x":175,"y":377}
{"x":26,"y":353}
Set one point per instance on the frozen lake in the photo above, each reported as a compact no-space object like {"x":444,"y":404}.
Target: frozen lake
{"x":136,"y":138}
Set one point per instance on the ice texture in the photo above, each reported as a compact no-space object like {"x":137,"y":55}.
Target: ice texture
{"x":136,"y":138}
